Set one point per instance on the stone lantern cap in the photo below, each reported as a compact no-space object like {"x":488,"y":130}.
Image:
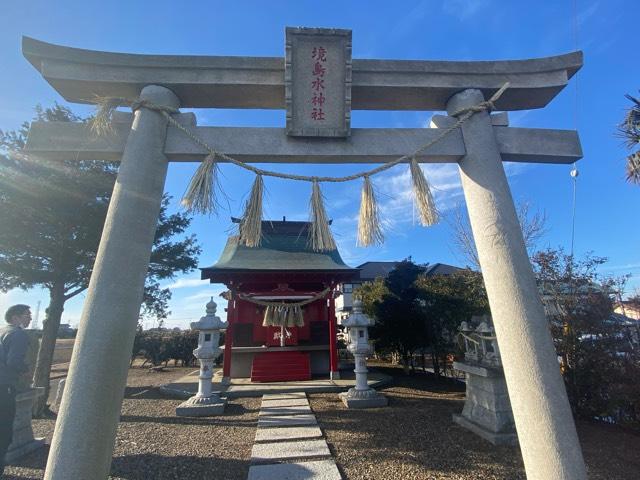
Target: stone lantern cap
{"x":210,"y":321}
{"x":357,"y":318}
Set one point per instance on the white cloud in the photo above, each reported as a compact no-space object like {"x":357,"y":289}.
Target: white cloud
{"x":186,"y":283}
{"x":513,"y":169}
{"x":206,"y":295}
{"x":587,"y":13}
{"x":407,"y":23}
{"x":464,"y":9}
{"x":395,"y":193}
{"x":518,"y":117}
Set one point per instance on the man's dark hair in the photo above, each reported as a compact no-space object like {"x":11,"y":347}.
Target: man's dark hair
{"x":16,"y":311}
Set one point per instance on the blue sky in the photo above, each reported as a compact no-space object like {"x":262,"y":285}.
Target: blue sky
{"x":606,"y":213}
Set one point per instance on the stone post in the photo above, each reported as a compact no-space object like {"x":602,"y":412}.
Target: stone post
{"x":546,"y":431}
{"x":362,"y":396}
{"x":334,"y":370}
{"x":88,"y":418}
{"x":228,"y":341}
{"x":205,"y":402}
{"x":23,"y":441}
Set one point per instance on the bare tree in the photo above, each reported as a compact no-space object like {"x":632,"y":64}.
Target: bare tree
{"x":533,"y":226}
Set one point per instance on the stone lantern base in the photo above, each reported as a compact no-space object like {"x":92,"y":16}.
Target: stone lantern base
{"x":23,"y":441}
{"x":363,"y":398}
{"x":202,"y":406}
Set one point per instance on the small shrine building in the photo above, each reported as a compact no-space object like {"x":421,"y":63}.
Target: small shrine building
{"x":281,"y":310}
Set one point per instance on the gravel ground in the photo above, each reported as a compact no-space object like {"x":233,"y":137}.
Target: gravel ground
{"x":415,"y":438}
{"x":152,"y":443}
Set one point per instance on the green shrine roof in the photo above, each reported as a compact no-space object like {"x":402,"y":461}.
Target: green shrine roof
{"x":284,"y":248}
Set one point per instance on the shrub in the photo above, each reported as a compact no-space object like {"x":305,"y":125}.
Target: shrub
{"x":159,"y":347}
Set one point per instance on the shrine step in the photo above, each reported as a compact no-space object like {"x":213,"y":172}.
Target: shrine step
{"x":280,"y":367}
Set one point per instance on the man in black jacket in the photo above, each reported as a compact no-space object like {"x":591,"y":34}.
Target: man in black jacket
{"x":14,"y":342}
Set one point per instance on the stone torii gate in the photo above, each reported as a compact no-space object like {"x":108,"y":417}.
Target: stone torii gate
{"x":144,"y":144}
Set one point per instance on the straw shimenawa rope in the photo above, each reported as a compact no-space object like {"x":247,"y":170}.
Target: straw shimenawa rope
{"x":320,"y":238}
{"x":201,"y":193}
{"x":462,"y":115}
{"x":200,"y":196}
{"x":283,"y":315}
{"x":251,"y":223}
{"x":422,"y":194}
{"x":279,"y":313}
{"x":369,"y":228}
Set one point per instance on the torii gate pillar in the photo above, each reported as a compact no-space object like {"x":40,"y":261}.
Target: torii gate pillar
{"x":100,"y":361}
{"x":546,"y":431}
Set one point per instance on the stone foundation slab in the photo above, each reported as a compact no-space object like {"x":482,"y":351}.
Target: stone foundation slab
{"x":494,"y":438}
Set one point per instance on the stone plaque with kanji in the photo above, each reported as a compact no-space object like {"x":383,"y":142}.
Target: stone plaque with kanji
{"x":318,"y":82}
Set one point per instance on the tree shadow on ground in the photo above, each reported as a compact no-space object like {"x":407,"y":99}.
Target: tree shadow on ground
{"x":146,"y":392}
{"x":148,"y":466}
{"x":422,"y":380}
{"x":35,"y":459}
{"x":159,"y":467}
{"x":228,"y":418}
{"x":415,"y":431}
{"x":213,"y":421}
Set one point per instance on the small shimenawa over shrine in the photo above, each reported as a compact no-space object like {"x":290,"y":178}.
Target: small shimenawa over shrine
{"x":281,"y":313}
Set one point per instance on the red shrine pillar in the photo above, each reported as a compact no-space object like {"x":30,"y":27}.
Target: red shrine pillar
{"x":333,"y":346}
{"x":228,"y":340}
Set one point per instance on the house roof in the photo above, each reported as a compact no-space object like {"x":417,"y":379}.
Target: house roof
{"x":284,"y":247}
{"x":442,"y":269}
{"x":369,"y":271}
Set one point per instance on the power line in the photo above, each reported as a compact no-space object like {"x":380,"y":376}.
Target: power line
{"x":574,"y":169}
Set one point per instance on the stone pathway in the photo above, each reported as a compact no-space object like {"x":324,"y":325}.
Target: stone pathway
{"x":289,"y":443}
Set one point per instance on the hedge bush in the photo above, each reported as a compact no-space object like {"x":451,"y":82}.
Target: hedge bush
{"x":160,"y":347}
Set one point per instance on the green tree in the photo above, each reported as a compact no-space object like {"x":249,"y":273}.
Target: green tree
{"x":629,"y":129}
{"x":52,"y":213}
{"x":449,"y":300}
{"x":400,"y":321}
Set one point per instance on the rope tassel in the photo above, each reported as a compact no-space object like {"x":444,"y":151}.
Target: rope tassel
{"x":298,"y":316}
{"x":268,"y":316}
{"x":422,"y":193}
{"x":369,"y":228}
{"x":200,"y":196}
{"x":320,"y":237}
{"x":100,"y":123}
{"x":251,"y":224}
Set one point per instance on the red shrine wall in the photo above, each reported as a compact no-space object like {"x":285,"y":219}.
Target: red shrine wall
{"x":250,"y":338}
{"x":249,"y":332}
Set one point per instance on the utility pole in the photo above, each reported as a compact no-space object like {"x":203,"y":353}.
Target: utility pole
{"x":35,"y":322}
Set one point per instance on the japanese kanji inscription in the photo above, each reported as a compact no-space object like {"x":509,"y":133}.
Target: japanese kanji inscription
{"x":318,"y":82}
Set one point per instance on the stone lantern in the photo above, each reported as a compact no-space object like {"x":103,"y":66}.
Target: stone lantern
{"x":487,"y":409}
{"x":206,"y":402}
{"x":361,"y":396}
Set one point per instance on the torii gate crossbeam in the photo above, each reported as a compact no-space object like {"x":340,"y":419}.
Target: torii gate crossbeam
{"x":94,"y":391}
